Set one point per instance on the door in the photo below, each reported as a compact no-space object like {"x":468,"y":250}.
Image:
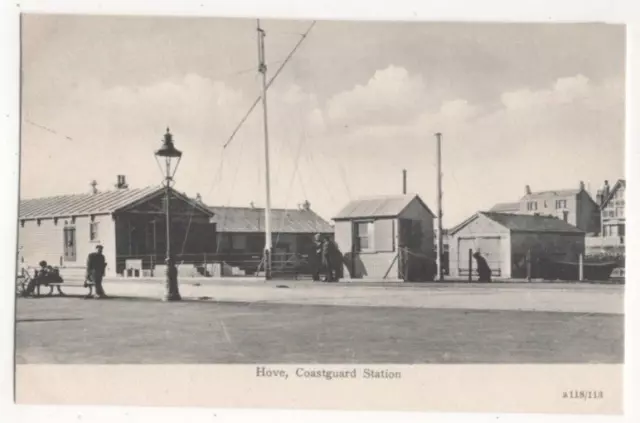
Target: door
{"x":69,"y":235}
{"x":488,"y":247}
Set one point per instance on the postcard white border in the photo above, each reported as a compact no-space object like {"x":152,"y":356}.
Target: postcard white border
{"x":488,"y":10}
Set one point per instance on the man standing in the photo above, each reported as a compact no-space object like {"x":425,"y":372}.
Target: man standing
{"x":315,"y":257}
{"x":484,"y":271}
{"x":96,"y":266}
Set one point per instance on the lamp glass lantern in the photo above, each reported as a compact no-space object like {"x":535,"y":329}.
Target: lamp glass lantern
{"x":171,"y":157}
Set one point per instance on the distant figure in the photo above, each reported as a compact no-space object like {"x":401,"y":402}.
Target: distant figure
{"x":484,"y":271}
{"x":96,"y":266}
{"x":331,"y":260}
{"x":315,"y":257}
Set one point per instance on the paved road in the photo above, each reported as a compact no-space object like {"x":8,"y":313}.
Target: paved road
{"x":141,"y":331}
{"x":562,"y":297}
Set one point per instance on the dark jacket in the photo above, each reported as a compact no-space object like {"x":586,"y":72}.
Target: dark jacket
{"x":96,"y":264}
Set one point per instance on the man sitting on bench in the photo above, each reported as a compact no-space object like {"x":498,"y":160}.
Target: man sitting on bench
{"x":44,"y":276}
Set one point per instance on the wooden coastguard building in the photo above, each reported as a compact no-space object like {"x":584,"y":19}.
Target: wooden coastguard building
{"x":129,"y":223}
{"x":241,"y":229}
{"x":388,"y":237}
{"x":505,"y":240}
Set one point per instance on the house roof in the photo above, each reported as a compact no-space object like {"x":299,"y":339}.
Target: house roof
{"x":619,"y":183}
{"x":247,"y":219}
{"x":505,"y":207}
{"x":524,"y":223}
{"x":528,"y":223}
{"x":551,"y":193}
{"x":105,"y":202}
{"x":382,"y":206}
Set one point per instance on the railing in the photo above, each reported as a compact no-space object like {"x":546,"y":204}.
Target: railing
{"x":604,"y":241}
{"x":465,"y":272}
{"x":216,"y":264}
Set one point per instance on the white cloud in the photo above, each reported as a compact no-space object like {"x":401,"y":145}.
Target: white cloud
{"x":362,"y":138}
{"x":390,"y":96}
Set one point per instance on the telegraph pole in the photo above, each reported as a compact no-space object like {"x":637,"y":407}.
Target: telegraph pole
{"x":267,"y":211}
{"x":439,"y":178}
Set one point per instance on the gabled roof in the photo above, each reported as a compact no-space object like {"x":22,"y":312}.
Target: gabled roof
{"x":529,"y":223}
{"x":505,"y":207}
{"x":105,"y":202}
{"x":525,"y":223}
{"x":247,"y":220}
{"x":382,"y":206}
{"x":619,"y":183}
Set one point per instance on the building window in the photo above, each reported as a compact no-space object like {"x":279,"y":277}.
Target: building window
{"x":532,"y":205}
{"x":362,"y":236}
{"x":561,"y":204}
{"x":619,"y":212}
{"x":69,"y":244}
{"x":93,"y":231}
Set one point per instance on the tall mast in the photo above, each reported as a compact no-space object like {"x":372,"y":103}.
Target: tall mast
{"x":439,"y":245}
{"x":267,"y":211}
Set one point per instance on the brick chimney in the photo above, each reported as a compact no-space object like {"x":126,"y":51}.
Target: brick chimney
{"x":306,"y":205}
{"x":581,"y":186}
{"x":94,"y":187}
{"x":606,"y":190}
{"x":122,"y":182}
{"x":527,"y":189}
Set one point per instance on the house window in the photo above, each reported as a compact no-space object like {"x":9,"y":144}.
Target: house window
{"x":69,"y":244}
{"x":93,"y":231}
{"x":561,"y":204}
{"x":362,"y":236}
{"x":619,"y":212}
{"x":532,"y":205}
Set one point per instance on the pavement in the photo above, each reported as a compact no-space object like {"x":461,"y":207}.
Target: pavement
{"x":535,"y":296}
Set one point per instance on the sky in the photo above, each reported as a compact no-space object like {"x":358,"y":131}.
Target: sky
{"x":517,"y":104}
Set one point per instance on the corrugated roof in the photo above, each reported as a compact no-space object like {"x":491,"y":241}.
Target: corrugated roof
{"x":246,"y":219}
{"x":528,"y":223}
{"x":81,"y":204}
{"x":505,"y":207}
{"x":383,"y":206}
{"x":85,"y":204}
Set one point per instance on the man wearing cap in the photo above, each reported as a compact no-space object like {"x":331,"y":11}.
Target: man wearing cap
{"x":96,"y":266}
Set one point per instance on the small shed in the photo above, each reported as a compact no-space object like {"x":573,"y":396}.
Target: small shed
{"x":506,"y":241}
{"x":387,"y":237}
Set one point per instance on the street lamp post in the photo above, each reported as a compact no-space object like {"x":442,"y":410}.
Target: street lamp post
{"x":167,"y":153}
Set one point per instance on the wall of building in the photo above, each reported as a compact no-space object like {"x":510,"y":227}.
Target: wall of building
{"x":613,"y":215}
{"x":547,"y":245}
{"x":588,"y":213}
{"x":415,"y":211}
{"x":546,"y":206}
{"x":46,"y":242}
{"x":343,"y":237}
{"x":471,"y":236}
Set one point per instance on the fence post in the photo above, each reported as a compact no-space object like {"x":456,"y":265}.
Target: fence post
{"x":470,"y":265}
{"x":528,"y":265}
{"x":580,"y":267}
